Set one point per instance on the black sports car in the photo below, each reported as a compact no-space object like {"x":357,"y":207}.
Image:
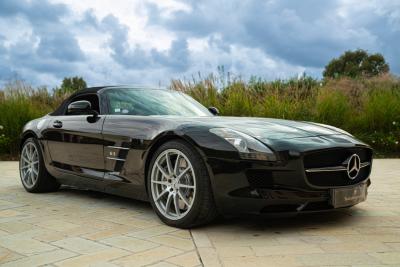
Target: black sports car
{"x":162,"y":146}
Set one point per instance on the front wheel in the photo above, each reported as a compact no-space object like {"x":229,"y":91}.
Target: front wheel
{"x":179,"y":186}
{"x":33,"y":173}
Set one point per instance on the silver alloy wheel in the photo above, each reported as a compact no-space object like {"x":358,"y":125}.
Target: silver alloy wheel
{"x":29,"y":165}
{"x":173,"y":184}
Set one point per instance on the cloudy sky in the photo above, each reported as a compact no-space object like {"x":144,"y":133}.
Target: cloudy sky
{"x":150,"y":42}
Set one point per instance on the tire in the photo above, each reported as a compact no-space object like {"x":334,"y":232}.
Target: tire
{"x":188,"y":184}
{"x":34,"y":176}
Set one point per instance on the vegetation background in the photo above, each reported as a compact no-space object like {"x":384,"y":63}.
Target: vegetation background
{"x":358,"y":96}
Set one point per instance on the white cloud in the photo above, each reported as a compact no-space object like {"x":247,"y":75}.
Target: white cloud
{"x":151,"y":42}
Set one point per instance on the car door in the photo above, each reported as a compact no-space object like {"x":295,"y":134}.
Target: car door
{"x":125,"y":139}
{"x":75,"y":141}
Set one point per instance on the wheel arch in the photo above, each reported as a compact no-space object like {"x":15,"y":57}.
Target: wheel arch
{"x":25,"y":136}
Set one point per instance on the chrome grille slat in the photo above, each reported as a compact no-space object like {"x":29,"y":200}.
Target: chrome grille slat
{"x":335,"y":168}
{"x":118,"y":147}
{"x":111,"y":158}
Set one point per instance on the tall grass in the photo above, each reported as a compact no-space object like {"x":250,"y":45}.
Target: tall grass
{"x":20,"y":103}
{"x":368,"y":108}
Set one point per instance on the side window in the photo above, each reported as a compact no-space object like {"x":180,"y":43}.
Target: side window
{"x":92,"y":98}
{"x":123,"y":103}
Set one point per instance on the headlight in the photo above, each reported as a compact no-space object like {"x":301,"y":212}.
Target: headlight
{"x":247,"y":146}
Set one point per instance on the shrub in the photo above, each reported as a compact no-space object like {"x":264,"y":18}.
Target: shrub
{"x":5,"y":141}
{"x":355,"y":64}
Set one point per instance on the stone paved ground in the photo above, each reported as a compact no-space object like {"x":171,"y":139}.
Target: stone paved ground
{"x":78,"y":228}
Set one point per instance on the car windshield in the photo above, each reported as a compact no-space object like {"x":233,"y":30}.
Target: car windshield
{"x":152,"y":102}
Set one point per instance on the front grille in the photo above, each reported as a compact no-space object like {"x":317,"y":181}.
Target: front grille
{"x":333,"y":158}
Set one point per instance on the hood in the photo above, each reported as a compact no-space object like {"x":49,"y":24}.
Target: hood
{"x":265,"y":128}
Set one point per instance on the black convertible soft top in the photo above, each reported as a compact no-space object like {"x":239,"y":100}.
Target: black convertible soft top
{"x":92,"y":90}
{"x":60,"y":110}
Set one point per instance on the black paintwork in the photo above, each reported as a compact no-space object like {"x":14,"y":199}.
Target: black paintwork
{"x":80,"y":150}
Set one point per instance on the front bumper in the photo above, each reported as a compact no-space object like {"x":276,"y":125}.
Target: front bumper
{"x":243,"y":187}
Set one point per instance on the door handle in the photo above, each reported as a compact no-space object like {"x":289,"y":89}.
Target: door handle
{"x":57,"y":124}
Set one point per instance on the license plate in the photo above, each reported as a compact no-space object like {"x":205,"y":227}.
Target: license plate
{"x":344,"y":197}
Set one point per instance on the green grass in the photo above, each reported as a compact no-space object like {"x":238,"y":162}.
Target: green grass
{"x":367,"y":108}
{"x":20,"y":103}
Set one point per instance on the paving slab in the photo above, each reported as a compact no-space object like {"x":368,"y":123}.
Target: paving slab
{"x":81,"y":228}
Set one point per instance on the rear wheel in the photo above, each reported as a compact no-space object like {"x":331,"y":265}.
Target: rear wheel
{"x":33,"y":173}
{"x":179,"y":186}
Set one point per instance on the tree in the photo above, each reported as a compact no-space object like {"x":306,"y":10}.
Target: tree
{"x":70,"y":85}
{"x":356,"y":63}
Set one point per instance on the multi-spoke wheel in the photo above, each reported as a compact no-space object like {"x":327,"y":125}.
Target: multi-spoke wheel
{"x":173,"y":184}
{"x":34,"y":175}
{"x":29,"y":165}
{"x":179,"y":186}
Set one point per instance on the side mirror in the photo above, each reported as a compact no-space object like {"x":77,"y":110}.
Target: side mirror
{"x":213,"y":110}
{"x":81,"y":107}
